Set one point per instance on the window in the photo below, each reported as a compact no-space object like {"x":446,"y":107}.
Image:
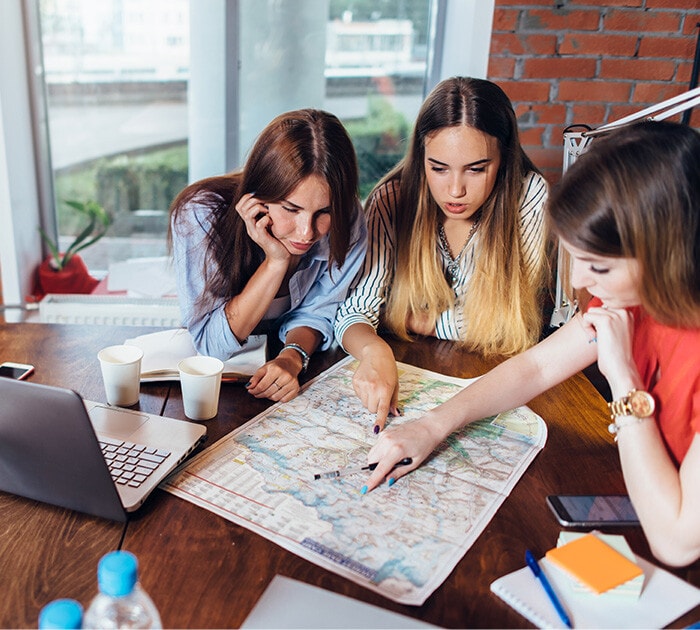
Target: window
{"x":117,"y":76}
{"x":139,"y":97}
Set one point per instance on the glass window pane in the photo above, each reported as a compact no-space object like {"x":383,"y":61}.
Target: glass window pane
{"x":117,"y":84}
{"x":116,"y":75}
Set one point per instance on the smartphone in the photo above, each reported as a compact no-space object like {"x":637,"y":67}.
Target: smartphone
{"x":576,"y":510}
{"x":19,"y":371}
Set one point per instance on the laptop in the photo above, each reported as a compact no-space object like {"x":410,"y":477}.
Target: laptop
{"x":55,"y":448}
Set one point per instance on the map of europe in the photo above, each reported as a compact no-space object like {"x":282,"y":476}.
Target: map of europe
{"x":401,"y":541}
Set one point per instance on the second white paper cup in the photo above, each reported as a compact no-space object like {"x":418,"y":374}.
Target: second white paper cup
{"x":121,"y":373}
{"x":200,"y":379}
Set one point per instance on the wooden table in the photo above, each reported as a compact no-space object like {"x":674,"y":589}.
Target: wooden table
{"x":203,"y":571}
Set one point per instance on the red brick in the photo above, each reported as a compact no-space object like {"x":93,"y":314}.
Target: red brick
{"x":501,"y":67}
{"x":561,"y":19}
{"x":637,"y":69}
{"x":509,"y":43}
{"x":620,"y":111}
{"x":530,"y":91}
{"x":598,"y":44}
{"x":593,"y":91}
{"x":684,"y":72}
{"x":673,"y":4}
{"x":607,"y":3}
{"x":506,"y":43}
{"x":656,"y":92}
{"x":592,"y":115}
{"x":531,"y":137}
{"x":547,"y":158}
{"x":667,"y":47}
{"x":540,"y":44}
{"x":637,"y":21}
{"x":690,"y":26}
{"x":505,"y":19}
{"x":550,"y":114}
{"x":558,"y":67}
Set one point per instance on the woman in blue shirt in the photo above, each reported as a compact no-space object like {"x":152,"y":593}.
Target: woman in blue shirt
{"x":272,"y":247}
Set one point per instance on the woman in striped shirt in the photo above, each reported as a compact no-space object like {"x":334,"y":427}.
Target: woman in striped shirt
{"x":456,"y":241}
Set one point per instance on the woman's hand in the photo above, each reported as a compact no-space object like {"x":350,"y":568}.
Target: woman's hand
{"x":258,"y":225}
{"x":276,"y":380}
{"x":416,"y":439}
{"x":376,"y":382}
{"x":613,"y":331}
{"x":420,"y":324}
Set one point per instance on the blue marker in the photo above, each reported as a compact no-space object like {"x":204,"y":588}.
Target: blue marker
{"x":539,"y":574}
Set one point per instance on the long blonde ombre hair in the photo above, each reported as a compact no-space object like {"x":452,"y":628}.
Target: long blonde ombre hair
{"x":502,"y":311}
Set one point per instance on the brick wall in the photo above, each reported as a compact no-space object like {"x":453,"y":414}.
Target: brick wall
{"x":589,"y":62}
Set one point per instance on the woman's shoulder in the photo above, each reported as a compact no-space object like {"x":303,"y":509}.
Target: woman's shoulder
{"x":384,"y":196}
{"x":534,"y":193}
{"x":534,"y":184}
{"x":207,"y":196}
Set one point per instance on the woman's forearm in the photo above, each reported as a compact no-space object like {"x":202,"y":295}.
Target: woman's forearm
{"x":246,"y":310}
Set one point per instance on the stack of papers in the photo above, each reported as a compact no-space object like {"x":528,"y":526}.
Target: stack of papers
{"x":163,"y":350}
{"x":631,"y":588}
{"x":595,"y":564}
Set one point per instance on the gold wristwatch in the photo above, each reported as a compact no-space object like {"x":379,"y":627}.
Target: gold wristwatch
{"x":637,"y":406}
{"x":637,"y":403}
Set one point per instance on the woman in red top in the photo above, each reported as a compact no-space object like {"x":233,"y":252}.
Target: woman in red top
{"x":628,"y":213}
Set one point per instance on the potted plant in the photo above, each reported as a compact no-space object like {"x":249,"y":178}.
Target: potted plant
{"x":66,"y":272}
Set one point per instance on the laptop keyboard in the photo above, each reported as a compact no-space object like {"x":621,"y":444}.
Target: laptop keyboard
{"x":131,"y":464}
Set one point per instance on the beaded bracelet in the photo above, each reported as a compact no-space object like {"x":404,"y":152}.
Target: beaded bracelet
{"x":619,"y":423}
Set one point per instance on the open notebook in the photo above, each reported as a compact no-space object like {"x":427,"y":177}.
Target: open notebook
{"x":664,"y":598}
{"x":163,"y":350}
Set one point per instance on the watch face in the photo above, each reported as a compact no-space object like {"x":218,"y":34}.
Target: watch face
{"x":642,"y":404}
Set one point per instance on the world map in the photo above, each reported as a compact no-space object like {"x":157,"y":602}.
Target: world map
{"x":401,"y":541}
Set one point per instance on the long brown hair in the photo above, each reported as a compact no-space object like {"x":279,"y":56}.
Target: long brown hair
{"x":501,"y":309}
{"x":635,"y":193}
{"x":294,"y":146}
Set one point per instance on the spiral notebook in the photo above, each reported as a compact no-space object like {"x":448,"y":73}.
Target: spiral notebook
{"x":664,"y":598}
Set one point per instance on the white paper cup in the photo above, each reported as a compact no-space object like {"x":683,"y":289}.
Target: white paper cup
{"x":200,"y":380}
{"x":121,"y":373}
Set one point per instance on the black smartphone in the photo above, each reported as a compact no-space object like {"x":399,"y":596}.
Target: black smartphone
{"x":18,"y":371}
{"x":577,"y":510}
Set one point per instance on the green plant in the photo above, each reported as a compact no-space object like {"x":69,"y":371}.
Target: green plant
{"x":99,"y":222}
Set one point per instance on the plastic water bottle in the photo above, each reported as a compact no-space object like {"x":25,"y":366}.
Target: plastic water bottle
{"x":121,"y":602}
{"x":61,"y":614}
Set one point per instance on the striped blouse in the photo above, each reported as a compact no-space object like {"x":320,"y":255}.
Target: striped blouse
{"x":366,"y":300}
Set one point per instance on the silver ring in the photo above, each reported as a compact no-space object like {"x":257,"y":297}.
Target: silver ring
{"x":278,"y":385}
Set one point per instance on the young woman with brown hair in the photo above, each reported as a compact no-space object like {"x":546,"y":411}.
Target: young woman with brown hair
{"x":272,"y":247}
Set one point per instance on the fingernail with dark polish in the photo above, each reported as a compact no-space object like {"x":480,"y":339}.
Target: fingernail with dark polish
{"x":363,"y":490}
{"x":376,"y":429}
{"x":247,"y":384}
{"x":391,"y":481}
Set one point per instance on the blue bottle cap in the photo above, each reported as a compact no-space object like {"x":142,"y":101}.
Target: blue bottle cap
{"x":63,"y":614}
{"x":117,"y":573}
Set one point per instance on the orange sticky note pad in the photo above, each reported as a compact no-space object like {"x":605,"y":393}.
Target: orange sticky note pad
{"x":593,"y":563}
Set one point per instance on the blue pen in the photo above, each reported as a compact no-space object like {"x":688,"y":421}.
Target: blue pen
{"x":539,"y":574}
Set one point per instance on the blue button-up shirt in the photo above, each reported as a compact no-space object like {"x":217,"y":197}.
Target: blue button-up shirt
{"x":315,"y":289}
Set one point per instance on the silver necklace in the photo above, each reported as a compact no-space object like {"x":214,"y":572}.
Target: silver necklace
{"x":453,"y":266}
